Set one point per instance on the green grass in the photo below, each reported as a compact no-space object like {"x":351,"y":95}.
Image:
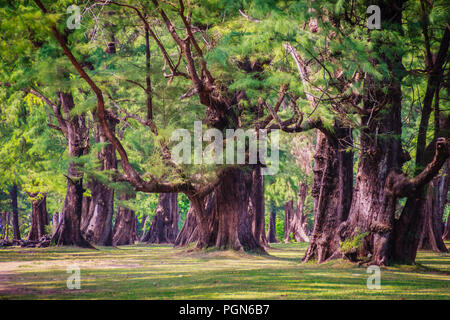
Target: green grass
{"x":162,"y":272}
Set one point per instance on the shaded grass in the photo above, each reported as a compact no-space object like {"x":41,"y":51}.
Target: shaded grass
{"x":162,"y":272}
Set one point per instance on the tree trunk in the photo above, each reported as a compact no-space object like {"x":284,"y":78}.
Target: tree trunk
{"x":39,"y":216}
{"x":332,"y":192}
{"x":15,"y":211}
{"x":446,"y":235}
{"x":191,"y":230}
{"x":229,"y":224}
{"x":97,"y":228}
{"x":87,"y":201}
{"x":164,"y":227}
{"x":431,"y":235}
{"x":125,"y":228}
{"x":272,"y":233}
{"x":298,"y":223}
{"x":55,"y":221}
{"x":256,"y":206}
{"x":145,"y":227}
{"x":68,"y":231}
{"x":288,"y":217}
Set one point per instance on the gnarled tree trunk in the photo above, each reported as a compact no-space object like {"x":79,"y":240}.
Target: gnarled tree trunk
{"x":191,"y":230}
{"x":97,"y":225}
{"x":164,"y":227}
{"x":68,"y":231}
{"x":39,"y":216}
{"x":229,"y":224}
{"x":332,"y":192}
{"x":125,"y":227}
{"x":432,"y":231}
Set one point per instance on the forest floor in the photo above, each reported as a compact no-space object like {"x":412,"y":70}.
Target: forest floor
{"x":162,"y":272}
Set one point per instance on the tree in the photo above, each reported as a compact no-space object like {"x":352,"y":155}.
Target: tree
{"x":272,"y":233}
{"x":164,"y":227}
{"x":124,"y":231}
{"x":39,"y":217}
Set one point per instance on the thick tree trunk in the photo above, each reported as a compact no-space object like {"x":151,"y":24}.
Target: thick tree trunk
{"x":332,"y":192}
{"x":229,"y":224}
{"x":431,"y":235}
{"x":15,"y":212}
{"x":223,"y":219}
{"x":68,"y":231}
{"x":164,"y":227}
{"x":272,"y":233}
{"x":191,"y":231}
{"x":39,"y":217}
{"x":125,"y":227}
{"x":97,"y":226}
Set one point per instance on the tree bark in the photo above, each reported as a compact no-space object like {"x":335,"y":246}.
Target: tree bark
{"x":68,"y":231}
{"x":39,"y":216}
{"x":432,"y":231}
{"x":164,"y":227}
{"x":145,"y":227}
{"x":332,"y":192}
{"x":298,"y":222}
{"x":15,"y":212}
{"x":229,"y":224}
{"x":409,"y":227}
{"x":191,"y":231}
{"x":97,"y":225}
{"x":288,"y":215}
{"x":272,"y":233}
{"x":55,"y":221}
{"x":257,"y":206}
{"x":125,"y":228}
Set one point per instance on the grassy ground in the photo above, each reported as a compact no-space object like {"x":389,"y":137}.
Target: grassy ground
{"x":161,"y":272}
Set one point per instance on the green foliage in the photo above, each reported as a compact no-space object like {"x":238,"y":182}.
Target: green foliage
{"x":353,"y":244}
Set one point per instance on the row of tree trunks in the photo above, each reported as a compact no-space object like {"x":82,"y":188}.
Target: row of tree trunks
{"x":332,"y":192}
{"x":295,"y":222}
{"x":125,"y":226}
{"x":39,"y":216}
{"x":164,"y":227}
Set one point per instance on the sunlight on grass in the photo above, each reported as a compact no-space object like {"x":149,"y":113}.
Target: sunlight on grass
{"x":162,"y":272}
